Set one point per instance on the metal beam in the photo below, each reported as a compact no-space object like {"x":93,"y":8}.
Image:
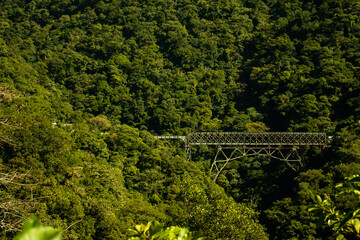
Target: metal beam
{"x":288,"y":154}
{"x":257,"y":138}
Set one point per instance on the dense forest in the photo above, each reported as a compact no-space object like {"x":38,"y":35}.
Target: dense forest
{"x":86,"y":84}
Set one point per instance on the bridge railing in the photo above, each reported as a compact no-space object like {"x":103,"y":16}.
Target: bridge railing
{"x":257,"y":138}
{"x":171,"y":137}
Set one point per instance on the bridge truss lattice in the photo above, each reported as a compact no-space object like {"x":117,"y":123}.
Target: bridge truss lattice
{"x":231,"y":146}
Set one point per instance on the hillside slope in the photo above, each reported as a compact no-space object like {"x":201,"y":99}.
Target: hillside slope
{"x":111,"y":73}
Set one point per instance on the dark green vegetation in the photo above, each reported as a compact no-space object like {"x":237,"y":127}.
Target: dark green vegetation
{"x":119,"y":71}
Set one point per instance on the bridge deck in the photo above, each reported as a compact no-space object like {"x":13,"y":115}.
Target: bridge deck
{"x":171,"y":137}
{"x":257,"y":138}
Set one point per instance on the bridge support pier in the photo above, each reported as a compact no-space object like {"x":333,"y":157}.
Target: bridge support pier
{"x":226,"y":154}
{"x":188,"y":152}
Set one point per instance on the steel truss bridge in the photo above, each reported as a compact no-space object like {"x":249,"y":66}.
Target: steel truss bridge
{"x":235,"y":145}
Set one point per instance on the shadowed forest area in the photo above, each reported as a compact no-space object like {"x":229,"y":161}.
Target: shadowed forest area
{"x":86,"y":84}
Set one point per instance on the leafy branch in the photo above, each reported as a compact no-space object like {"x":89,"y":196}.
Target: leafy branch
{"x":345,"y":223}
{"x":154,"y":231}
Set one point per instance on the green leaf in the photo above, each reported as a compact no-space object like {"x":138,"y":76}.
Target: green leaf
{"x":339,"y":185}
{"x":310,"y":209}
{"x":183,"y":232}
{"x":350,"y":186}
{"x":340,"y":237}
{"x":33,"y":230}
{"x":147,"y":227}
{"x":132,"y":231}
{"x":357,"y":225}
{"x":355,"y":212}
{"x":139,"y":228}
{"x":318,"y":198}
{"x":155,"y":227}
{"x":355,"y":178}
{"x":171,"y":234}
